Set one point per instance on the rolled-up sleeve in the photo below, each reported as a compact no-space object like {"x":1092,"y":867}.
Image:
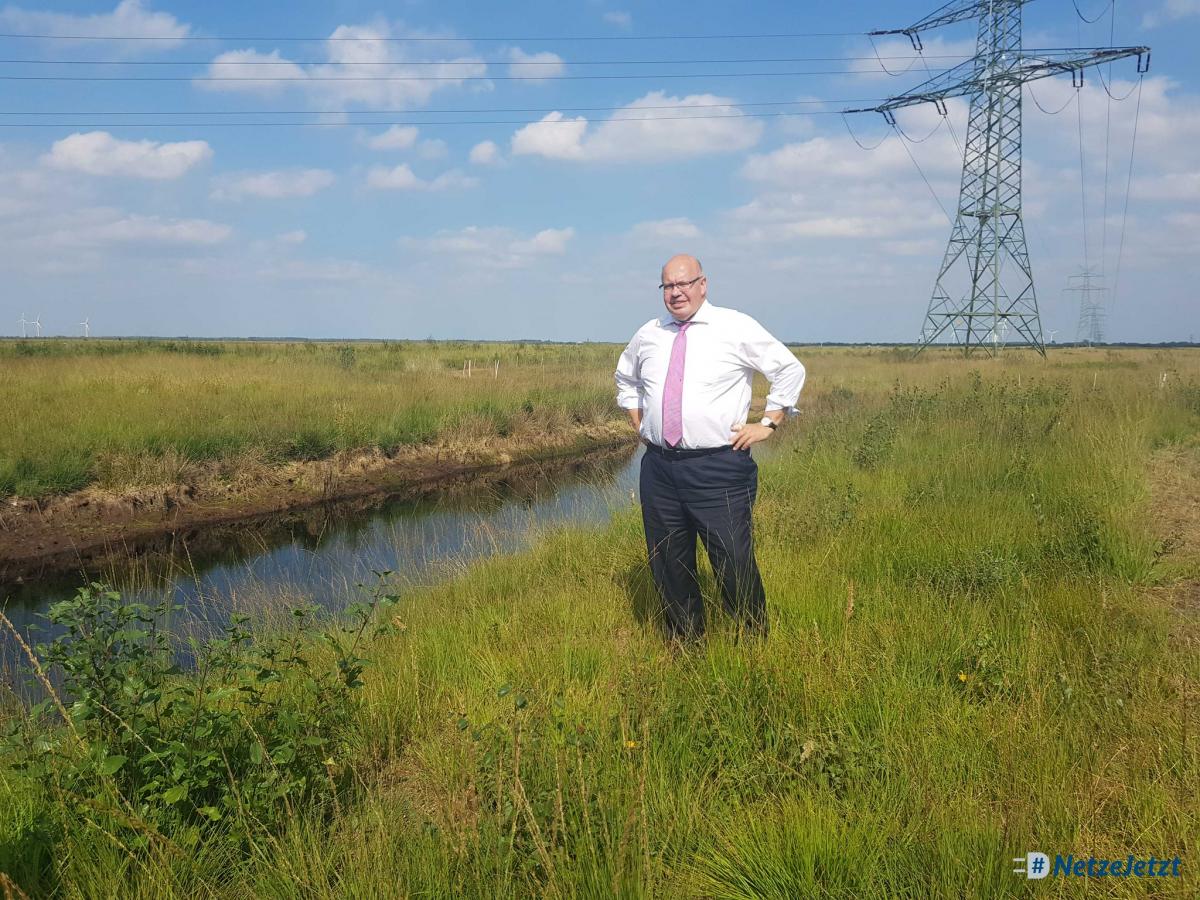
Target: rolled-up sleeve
{"x":767,"y":354}
{"x":628,"y":376}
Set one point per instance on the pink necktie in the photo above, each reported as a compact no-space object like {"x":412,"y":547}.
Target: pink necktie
{"x":672,"y":414}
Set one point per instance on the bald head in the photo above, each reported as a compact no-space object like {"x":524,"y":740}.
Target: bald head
{"x":686,"y":288}
{"x":689,"y":262}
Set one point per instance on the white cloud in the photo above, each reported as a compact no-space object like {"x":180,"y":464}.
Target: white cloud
{"x":402,"y":178}
{"x":554,"y":137}
{"x":496,"y":248}
{"x":620,"y":19}
{"x":272,"y":185}
{"x":1168,"y":186}
{"x":533,"y":66}
{"x":107,"y":227}
{"x":242,"y":69}
{"x":99,"y":153}
{"x":154,"y":229}
{"x":485,"y":153}
{"x":666,"y":230}
{"x":1171,"y":11}
{"x":130,"y":18}
{"x":299,"y":236}
{"x":434,"y":148}
{"x":398,"y":137}
{"x":828,"y":187}
{"x":402,"y":74}
{"x":324,"y":271}
{"x":639,"y":132}
{"x":547,"y":241}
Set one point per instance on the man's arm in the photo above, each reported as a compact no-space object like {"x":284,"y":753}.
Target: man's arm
{"x":761,"y":351}
{"x":629,"y":383}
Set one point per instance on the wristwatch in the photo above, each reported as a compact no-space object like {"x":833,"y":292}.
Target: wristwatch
{"x":769,"y":422}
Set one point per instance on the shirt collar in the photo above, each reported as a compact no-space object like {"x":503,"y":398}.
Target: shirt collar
{"x":703,"y":314}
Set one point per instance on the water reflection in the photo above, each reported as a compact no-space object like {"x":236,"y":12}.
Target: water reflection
{"x":318,"y":555}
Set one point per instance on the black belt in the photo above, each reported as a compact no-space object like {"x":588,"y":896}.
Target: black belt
{"x":680,"y":453}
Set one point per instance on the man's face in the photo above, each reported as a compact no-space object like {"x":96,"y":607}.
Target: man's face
{"x":683,"y":299}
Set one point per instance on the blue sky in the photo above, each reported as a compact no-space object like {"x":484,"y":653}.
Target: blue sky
{"x":387,"y":221}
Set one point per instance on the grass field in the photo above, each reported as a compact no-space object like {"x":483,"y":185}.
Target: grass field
{"x":124,"y":414}
{"x":982,"y":577}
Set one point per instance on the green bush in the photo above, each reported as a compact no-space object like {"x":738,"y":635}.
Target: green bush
{"x":255,"y":731}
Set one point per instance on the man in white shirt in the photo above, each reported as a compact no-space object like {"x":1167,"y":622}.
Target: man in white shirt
{"x":685,"y":379}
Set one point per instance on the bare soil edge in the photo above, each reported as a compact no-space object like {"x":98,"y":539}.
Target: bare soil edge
{"x":82,"y":529}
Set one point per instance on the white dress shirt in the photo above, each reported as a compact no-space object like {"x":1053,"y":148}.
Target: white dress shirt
{"x":724,"y":350}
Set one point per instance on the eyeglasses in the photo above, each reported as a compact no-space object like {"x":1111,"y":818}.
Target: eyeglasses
{"x":670,"y":286}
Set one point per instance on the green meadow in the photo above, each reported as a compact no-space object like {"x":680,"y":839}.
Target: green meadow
{"x":124,"y":414}
{"x":982,"y":577}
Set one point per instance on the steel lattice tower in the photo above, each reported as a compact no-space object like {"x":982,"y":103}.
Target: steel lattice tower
{"x":1091,"y":290}
{"x":985,"y":284}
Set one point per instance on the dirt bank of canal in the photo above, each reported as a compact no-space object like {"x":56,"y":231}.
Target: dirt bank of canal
{"x":82,"y":529}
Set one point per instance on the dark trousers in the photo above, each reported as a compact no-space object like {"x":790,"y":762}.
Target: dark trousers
{"x":686,"y":495}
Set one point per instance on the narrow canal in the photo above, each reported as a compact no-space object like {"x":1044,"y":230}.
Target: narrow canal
{"x":319,"y":555}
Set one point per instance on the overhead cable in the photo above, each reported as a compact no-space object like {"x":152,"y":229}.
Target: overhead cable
{"x":912,"y":61}
{"x":1107,"y":141}
{"x":1137,"y":109}
{"x":1103,"y":10}
{"x":427,"y":38}
{"x":399,"y":112}
{"x":854,"y":137}
{"x":424,"y":124}
{"x":323,"y":78}
{"x":452,"y":62}
{"x":1108,"y":89}
{"x":1037,"y":103}
{"x":942,"y":120}
{"x":921,"y":172}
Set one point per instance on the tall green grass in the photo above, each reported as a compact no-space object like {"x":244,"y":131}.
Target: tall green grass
{"x":967,"y":662}
{"x":132,"y":413}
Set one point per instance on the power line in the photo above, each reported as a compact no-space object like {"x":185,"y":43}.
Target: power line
{"x":912,"y":60}
{"x":854,"y":137}
{"x":320,"y":78}
{"x":1128,"y":185}
{"x":400,"y":112}
{"x":1082,"y":176}
{"x":1108,"y":90}
{"x":1099,"y":15}
{"x":945,"y":114}
{"x":913,"y":140}
{"x":432,"y":39}
{"x":1033,"y":97}
{"x":1107,"y":142}
{"x":920,"y":171}
{"x":425,"y":124}
{"x":456,"y":62}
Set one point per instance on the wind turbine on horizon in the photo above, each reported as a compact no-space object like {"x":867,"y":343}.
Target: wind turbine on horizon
{"x":37,"y":324}
{"x":87,"y":331}
{"x":24,"y":322}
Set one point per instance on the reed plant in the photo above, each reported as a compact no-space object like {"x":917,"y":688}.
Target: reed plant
{"x":131,"y":414}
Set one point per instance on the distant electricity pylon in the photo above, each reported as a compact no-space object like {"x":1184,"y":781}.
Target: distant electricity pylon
{"x":1091,"y":290}
{"x":985,"y":282}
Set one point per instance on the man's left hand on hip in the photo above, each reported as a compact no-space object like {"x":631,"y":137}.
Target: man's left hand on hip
{"x":745,"y":435}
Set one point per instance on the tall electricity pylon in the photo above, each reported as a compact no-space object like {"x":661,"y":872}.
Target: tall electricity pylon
{"x":985,"y":283}
{"x":1090,"y":287}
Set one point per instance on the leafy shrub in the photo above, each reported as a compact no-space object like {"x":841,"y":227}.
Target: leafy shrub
{"x":253,"y":732}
